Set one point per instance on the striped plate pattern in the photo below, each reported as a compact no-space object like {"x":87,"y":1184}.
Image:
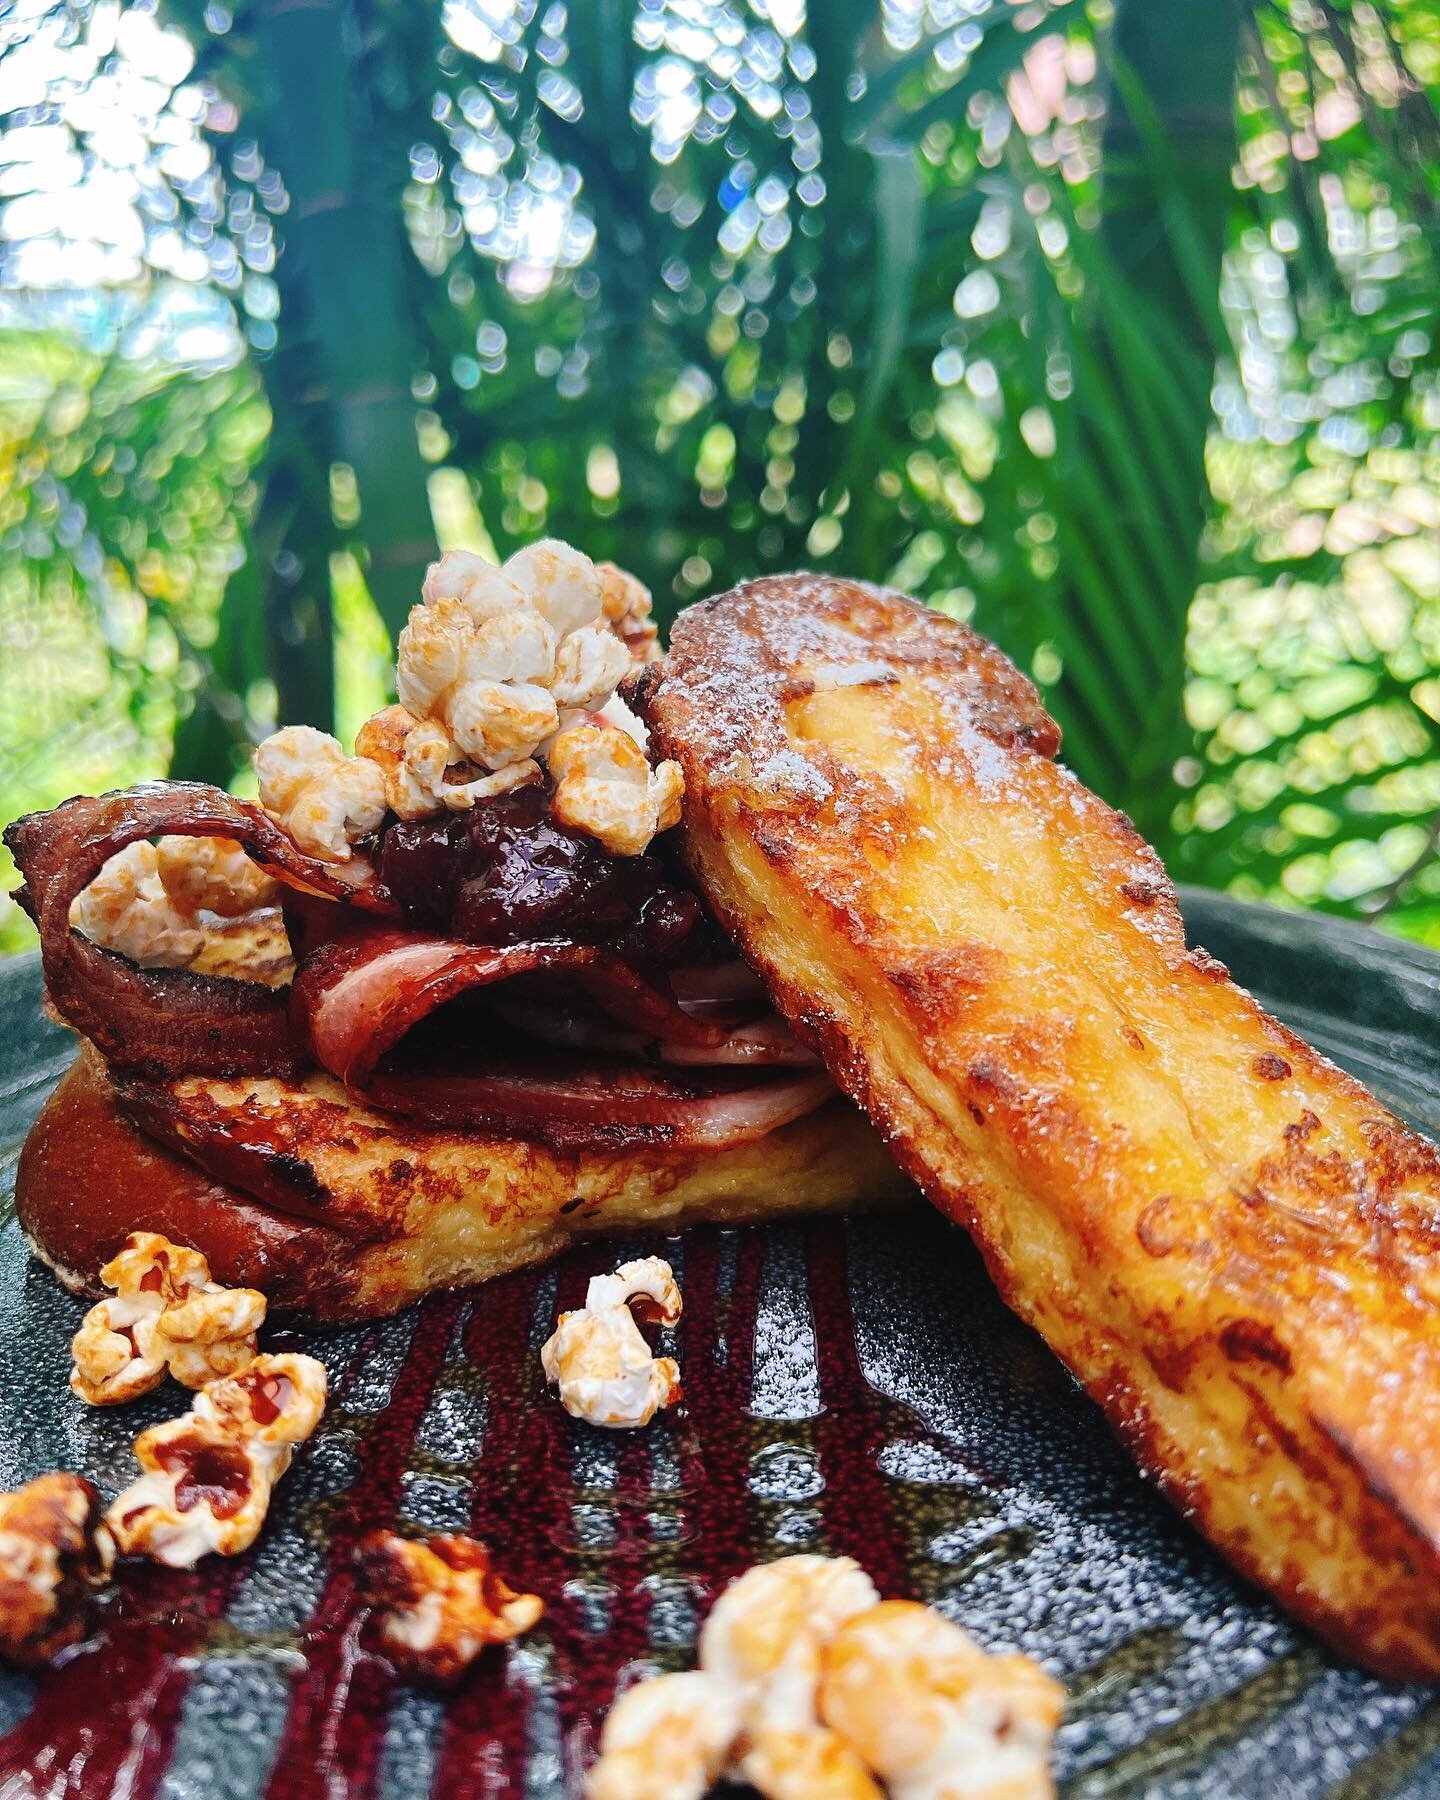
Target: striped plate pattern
{"x":852,"y":1387}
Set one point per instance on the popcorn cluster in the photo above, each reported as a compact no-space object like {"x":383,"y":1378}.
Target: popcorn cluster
{"x":166,"y":1316}
{"x":605,"y":787}
{"x":418,"y":762}
{"x":148,"y":901}
{"x":935,"y":1716}
{"x":54,"y":1551}
{"x":810,"y":1687}
{"x":598,"y":1357}
{"x":494,"y":653}
{"x":323,"y":798}
{"x":499,"y":669}
{"x":492,"y":665}
{"x":439,"y":1602}
{"x":209,"y":1474}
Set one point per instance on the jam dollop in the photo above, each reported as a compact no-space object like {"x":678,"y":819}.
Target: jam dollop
{"x":506,"y":872}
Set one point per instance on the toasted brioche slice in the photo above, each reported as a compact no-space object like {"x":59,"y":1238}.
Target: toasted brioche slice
{"x":337,"y":1212}
{"x":1232,"y":1244}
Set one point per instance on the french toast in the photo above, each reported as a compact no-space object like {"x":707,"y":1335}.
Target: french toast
{"x":335,"y":1211}
{"x":426,"y":1013}
{"x":1229,"y":1241}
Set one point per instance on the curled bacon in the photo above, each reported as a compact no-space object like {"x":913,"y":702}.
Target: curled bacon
{"x":360,"y":998}
{"x":604,"y":1107}
{"x":761,"y":1043}
{"x":163,"y":1022}
{"x":667,"y":1063}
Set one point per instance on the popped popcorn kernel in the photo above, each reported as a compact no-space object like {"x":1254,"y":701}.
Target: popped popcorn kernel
{"x":812,"y":1688}
{"x":561,"y":583}
{"x":588,"y":667}
{"x":439,"y":1602}
{"x":54,"y":1551}
{"x":666,"y":1739}
{"x":500,"y":723}
{"x":324,"y":799}
{"x":212,"y":875}
{"x":273,"y":1404}
{"x":481,"y":587}
{"x":935,"y":1715}
{"x":425,"y":770}
{"x":211,"y":1334}
{"x":208,"y":1475}
{"x":598,"y":1358}
{"x":807,"y":1765}
{"x":126,"y":909}
{"x":165,"y":1317}
{"x":148,"y":1263}
{"x":766,"y":1632}
{"x":605,"y":788}
{"x":625,"y":601}
{"x":647,"y":1285}
{"x":429,"y":652}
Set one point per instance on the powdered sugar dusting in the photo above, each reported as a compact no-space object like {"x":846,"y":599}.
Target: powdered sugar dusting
{"x":788,"y":770}
{"x":843,"y":675}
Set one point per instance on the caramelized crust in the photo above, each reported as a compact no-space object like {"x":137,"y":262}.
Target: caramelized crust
{"x":1230,"y":1242}
{"x":337,"y":1212}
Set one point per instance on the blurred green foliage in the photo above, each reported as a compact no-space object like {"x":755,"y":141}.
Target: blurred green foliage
{"x":1110,"y":327}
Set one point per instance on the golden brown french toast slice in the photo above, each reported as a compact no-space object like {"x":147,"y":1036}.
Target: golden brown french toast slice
{"x":339,"y":1212}
{"x":1233,"y":1245}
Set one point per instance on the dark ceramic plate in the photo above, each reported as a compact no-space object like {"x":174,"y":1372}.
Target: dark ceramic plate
{"x":852,"y":1387}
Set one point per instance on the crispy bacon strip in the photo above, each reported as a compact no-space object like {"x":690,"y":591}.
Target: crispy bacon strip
{"x":163,"y":1022}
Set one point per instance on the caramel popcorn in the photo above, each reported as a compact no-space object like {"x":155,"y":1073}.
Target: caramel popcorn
{"x":491,"y":655}
{"x":807,"y":1765}
{"x":324,"y":799}
{"x":166,"y":1315}
{"x":126,"y":908}
{"x":605,"y":787}
{"x":493,"y":668}
{"x":667,"y":1739}
{"x":425,"y":771}
{"x":53,"y":1552}
{"x":209,"y":1474}
{"x":207,"y":874}
{"x":767,"y":1631}
{"x":439,"y":1602}
{"x":812,"y":1688}
{"x":486,"y":682}
{"x":147,"y":901}
{"x":646,"y":1285}
{"x":933,"y":1714}
{"x":625,"y":601}
{"x":482,"y":587}
{"x":598,"y":1358}
{"x":588,"y":666}
{"x":560,"y":582}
